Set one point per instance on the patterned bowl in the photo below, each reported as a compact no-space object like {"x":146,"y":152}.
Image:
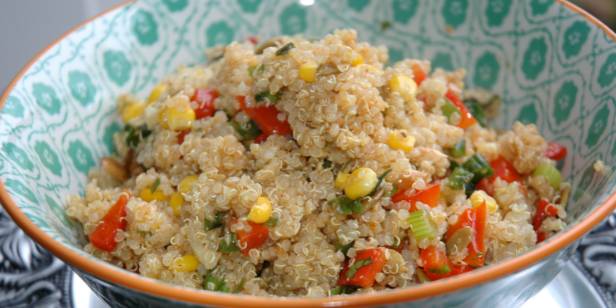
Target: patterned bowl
{"x":552,"y":63}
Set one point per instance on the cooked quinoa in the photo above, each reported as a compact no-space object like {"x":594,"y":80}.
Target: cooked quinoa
{"x":203,"y":175}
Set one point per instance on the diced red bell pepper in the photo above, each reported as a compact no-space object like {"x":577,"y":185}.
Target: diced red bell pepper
{"x":540,"y":237}
{"x":555,"y":151}
{"x":418,"y":73}
{"x":364,"y":276}
{"x":545,"y":209}
{"x":457,"y":270}
{"x":261,"y":138}
{"x":429,"y":196}
{"x":253,"y":39}
{"x":205,"y":99}
{"x":266,"y":118}
{"x":400,"y":247}
{"x":103,"y":237}
{"x":436,"y":264}
{"x":253,"y":239}
{"x":503,"y":170}
{"x":183,"y":134}
{"x":475,"y":218}
{"x":467,"y":119}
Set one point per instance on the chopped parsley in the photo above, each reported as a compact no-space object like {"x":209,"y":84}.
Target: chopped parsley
{"x":285,"y":49}
{"x":393,"y":190}
{"x":155,"y":185}
{"x":229,"y":247}
{"x":347,"y":164}
{"x":398,"y":241}
{"x":344,"y":248}
{"x":248,"y":131}
{"x":218,"y":222}
{"x":359,"y":264}
{"x":346,"y":205}
{"x":378,"y":183}
{"x":263,"y":95}
{"x":345,"y":290}
{"x":443,"y":270}
{"x":135,"y":134}
{"x":327,"y":164}
{"x":271,"y":222}
{"x":479,"y":254}
{"x":259,"y":68}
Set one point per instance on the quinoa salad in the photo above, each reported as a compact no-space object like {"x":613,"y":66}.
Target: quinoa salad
{"x":307,"y":167}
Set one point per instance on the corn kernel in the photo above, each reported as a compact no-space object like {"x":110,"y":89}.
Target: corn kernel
{"x":308,"y":71}
{"x":401,"y":140}
{"x":405,"y":86}
{"x":261,"y":211}
{"x":180,"y":120}
{"x":156,"y":92}
{"x":148,"y":196}
{"x":187,"y":263}
{"x":358,"y":60}
{"x":132,"y":111}
{"x":176,"y":202}
{"x":187,"y":183}
{"x":162,"y":119}
{"x":360,"y":183}
{"x":341,"y":178}
{"x":479,"y":196}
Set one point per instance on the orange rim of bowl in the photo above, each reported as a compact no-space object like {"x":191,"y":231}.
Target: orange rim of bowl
{"x":155,"y":288}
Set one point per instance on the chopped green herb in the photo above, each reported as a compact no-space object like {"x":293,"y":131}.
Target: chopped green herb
{"x":359,"y":264}
{"x":449,"y":109}
{"x":378,"y":183}
{"x":479,"y":254}
{"x":344,"y":290}
{"x":459,"y":149}
{"x":327,"y":164}
{"x":443,"y":270}
{"x":229,"y":247}
{"x":251,"y":70}
{"x":248,"y":131}
{"x":477,"y":112}
{"x":385,"y":25}
{"x":240,"y":286}
{"x":344,"y":248}
{"x":479,"y":166}
{"x":285,"y":49}
{"x":263,"y":95}
{"x":155,"y":185}
{"x":421,"y":225}
{"x":394,"y":191}
{"x":453,"y":165}
{"x":347,"y":206}
{"x":347,"y":164}
{"x":271,"y":222}
{"x":398,"y":241}
{"x":212,"y":283}
{"x":218,"y":222}
{"x":260,"y":70}
{"x":459,"y":177}
{"x":134,"y":135}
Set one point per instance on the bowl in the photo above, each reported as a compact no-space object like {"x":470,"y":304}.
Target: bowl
{"x":552,"y":64}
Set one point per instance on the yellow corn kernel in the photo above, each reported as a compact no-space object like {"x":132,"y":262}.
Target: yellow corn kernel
{"x":156,"y":92}
{"x":479,"y":196}
{"x":341,"y":178}
{"x":308,"y":71}
{"x":261,"y":211}
{"x":132,"y":111}
{"x":367,"y":67}
{"x":187,"y":183}
{"x":148,"y":196}
{"x":187,"y":263}
{"x":401,"y":140}
{"x":405,"y":86}
{"x":358,"y":60}
{"x":180,"y":120}
{"x":162,"y":119}
{"x":360,"y":183}
{"x":176,"y":202}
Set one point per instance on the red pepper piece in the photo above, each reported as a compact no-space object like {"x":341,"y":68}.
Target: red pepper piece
{"x":205,"y":99}
{"x":418,"y":73}
{"x":266,"y":118}
{"x":467,"y":119}
{"x":457,"y":270}
{"x":545,"y":209}
{"x":436,"y":264}
{"x":103,"y":237}
{"x":503,"y":170}
{"x":261,"y":138}
{"x":555,"y":151}
{"x":253,"y":239}
{"x":253,"y":39}
{"x":430,"y":196}
{"x":475,"y":218}
{"x":364,"y":276}
{"x":540,"y":237}
{"x":183,"y":134}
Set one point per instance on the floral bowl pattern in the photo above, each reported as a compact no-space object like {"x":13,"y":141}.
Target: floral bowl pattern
{"x":552,"y":64}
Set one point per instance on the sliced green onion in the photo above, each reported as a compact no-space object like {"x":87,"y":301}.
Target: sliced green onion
{"x":453,"y":165}
{"x":550,"y":173}
{"x":421,"y":225}
{"x":459,"y":178}
{"x":156,"y":184}
{"x":248,"y":131}
{"x":449,"y":109}
{"x":263,"y":95}
{"x":479,"y":166}
{"x":477,"y":112}
{"x":285,"y":49}
{"x":459,"y":149}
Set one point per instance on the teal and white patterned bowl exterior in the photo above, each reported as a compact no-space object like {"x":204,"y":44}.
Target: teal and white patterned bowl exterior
{"x":551,"y":65}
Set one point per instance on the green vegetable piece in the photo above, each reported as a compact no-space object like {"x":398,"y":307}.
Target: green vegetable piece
{"x":132,"y":138}
{"x":393,"y":191}
{"x":443,"y":270}
{"x":479,"y":166}
{"x":479,"y":254}
{"x":248,"y":131}
{"x":347,"y":164}
{"x":285,"y":49}
{"x":263,"y":95}
{"x":469,"y":189}
{"x":344,"y":248}
{"x":453,"y":165}
{"x":155,"y":185}
{"x":271,"y":222}
{"x":459,"y":178}
{"x":422,"y":276}
{"x":229,"y":247}
{"x":251,"y":71}
{"x":550,"y":173}
{"x":327,"y":164}
{"x":212,"y":283}
{"x":344,"y":290}
{"x":359,"y":264}
{"x":218,"y":222}
{"x":378,"y":183}
{"x":477,"y":112}
{"x":398,"y":241}
{"x":421,"y":225}
{"x":449,"y":109}
{"x":240,"y":286}
{"x":459,"y":149}
{"x":347,"y":206}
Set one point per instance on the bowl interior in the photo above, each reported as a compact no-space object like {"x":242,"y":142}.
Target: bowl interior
{"x":551,"y":66}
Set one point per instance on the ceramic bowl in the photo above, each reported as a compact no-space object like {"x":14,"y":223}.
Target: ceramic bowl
{"x":552,"y":64}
